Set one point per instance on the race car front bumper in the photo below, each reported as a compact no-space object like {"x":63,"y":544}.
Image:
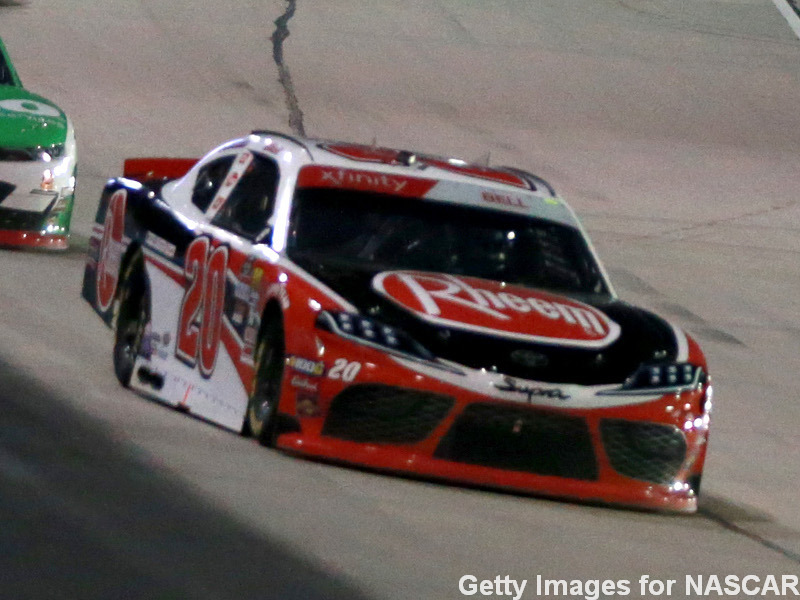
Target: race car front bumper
{"x":33,"y":239}
{"x":36,"y":203}
{"x":381,"y":458}
{"x":647,"y":454}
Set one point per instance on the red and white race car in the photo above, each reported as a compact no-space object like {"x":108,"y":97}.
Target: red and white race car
{"x":397,"y":311}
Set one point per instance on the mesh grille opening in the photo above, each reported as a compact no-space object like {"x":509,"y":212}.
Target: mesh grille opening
{"x":648,"y":451}
{"x":385,"y":414}
{"x":521,"y":439}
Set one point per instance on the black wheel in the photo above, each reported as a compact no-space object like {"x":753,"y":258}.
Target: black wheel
{"x":132,"y":317}
{"x":262,"y":407}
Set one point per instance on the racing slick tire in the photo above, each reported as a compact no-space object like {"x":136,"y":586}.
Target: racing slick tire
{"x":694,"y":482}
{"x":262,"y":407}
{"x":132,"y":318}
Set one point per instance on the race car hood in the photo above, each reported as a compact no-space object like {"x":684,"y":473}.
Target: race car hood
{"x":28,"y":120}
{"x":514,"y":330}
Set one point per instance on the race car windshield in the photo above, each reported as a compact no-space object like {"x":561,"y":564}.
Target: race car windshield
{"x":377,"y":232}
{"x":5,"y":72}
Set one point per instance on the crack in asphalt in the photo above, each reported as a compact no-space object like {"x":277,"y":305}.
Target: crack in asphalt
{"x":751,"y":535}
{"x":790,"y":204}
{"x":284,"y":76}
{"x":675,"y":23}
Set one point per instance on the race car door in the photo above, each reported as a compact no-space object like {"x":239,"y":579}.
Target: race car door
{"x":218,"y":320}
{"x":206,"y":371}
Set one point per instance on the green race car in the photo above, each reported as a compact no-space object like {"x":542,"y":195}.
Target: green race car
{"x":37,"y":165}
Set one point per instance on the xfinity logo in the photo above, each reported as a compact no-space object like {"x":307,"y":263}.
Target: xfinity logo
{"x":360,"y":179}
{"x":510,"y":385}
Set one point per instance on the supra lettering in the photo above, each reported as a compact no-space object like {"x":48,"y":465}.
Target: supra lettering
{"x":510,"y":385}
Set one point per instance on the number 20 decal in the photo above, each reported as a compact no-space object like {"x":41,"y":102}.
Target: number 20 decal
{"x":108,"y":258}
{"x":344,"y":370}
{"x":200,"y":320}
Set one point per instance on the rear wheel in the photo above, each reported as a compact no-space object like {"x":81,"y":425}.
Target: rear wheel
{"x":262,"y":407}
{"x":132,"y":317}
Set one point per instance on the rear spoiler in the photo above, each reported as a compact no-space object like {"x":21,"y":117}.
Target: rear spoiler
{"x":144,"y":169}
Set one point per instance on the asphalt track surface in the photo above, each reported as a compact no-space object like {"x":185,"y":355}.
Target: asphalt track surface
{"x":85,"y":517}
{"x":671,"y":126}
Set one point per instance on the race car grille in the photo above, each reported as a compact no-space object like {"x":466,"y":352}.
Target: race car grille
{"x":385,"y":414}
{"x":22,"y":220}
{"x":647,"y":451}
{"x":521,"y":439}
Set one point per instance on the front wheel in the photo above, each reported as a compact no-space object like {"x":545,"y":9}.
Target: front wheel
{"x":262,"y":408}
{"x":132,"y":318}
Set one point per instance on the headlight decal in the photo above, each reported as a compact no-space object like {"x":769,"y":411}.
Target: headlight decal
{"x":371,"y":333}
{"x":662,"y":377}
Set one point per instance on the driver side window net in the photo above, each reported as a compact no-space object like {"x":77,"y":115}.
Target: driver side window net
{"x":209,"y":180}
{"x":250,"y":204}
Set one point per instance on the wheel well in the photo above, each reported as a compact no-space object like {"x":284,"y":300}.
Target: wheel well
{"x":132,"y":255}
{"x":272,"y":312}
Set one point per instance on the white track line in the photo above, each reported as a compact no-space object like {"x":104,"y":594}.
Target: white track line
{"x":789,"y":14}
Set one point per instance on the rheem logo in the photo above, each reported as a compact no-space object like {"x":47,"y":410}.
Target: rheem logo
{"x":497,"y":309}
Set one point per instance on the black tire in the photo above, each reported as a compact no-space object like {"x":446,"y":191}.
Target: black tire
{"x":262,"y":407}
{"x":694,"y":482}
{"x":132,"y":318}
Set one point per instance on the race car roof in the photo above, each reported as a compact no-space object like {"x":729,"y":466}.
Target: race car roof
{"x":395,"y":172}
